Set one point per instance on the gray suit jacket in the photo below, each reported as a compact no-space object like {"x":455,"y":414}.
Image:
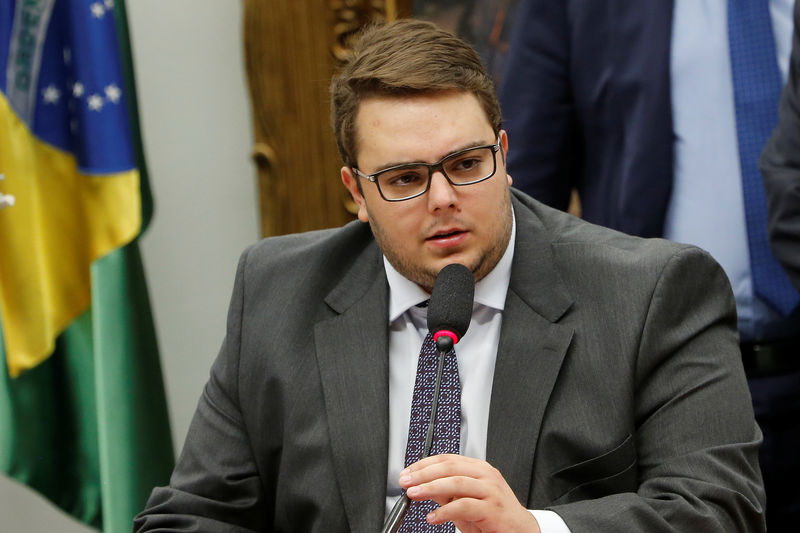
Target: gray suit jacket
{"x":780,"y":166}
{"x":619,"y":399}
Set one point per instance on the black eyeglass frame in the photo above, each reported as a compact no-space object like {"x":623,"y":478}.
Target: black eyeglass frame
{"x":432,"y":167}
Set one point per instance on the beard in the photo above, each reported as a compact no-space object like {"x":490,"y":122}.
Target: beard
{"x":480,"y":265}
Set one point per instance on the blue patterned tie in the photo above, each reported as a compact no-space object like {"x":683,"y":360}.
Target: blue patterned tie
{"x":757,"y":88}
{"x":447,"y":432}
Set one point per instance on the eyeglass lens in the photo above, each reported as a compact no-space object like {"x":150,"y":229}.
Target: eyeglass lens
{"x":461,"y":169}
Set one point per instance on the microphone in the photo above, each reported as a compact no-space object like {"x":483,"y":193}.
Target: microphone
{"x":449,"y":314}
{"x":450,"y":307}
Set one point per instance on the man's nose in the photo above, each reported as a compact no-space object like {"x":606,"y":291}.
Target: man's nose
{"x":442,"y":193}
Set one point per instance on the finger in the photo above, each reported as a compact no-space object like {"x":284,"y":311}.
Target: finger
{"x":441,"y":458}
{"x":467,"y":527}
{"x":454,"y":465}
{"x":479,"y":515}
{"x":463,"y":511}
{"x":444,"y":490}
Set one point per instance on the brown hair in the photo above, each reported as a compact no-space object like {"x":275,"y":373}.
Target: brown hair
{"x":403,"y":58}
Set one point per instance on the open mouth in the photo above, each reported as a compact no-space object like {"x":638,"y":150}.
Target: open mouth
{"x":445,"y":235}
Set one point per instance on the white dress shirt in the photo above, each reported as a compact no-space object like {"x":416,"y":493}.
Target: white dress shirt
{"x":707,"y":206}
{"x":476,"y":354}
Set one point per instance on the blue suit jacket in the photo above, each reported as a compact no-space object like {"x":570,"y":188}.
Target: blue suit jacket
{"x":586,"y":101}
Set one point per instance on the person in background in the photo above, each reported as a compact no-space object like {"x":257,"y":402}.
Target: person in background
{"x":780,"y":165}
{"x":655,"y":112}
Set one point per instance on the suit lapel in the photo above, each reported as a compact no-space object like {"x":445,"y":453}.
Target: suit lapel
{"x":531,"y":349}
{"x":352,"y":353}
{"x":353,"y":361}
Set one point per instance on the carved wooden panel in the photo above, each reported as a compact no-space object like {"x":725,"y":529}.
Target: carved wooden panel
{"x":291,"y":50}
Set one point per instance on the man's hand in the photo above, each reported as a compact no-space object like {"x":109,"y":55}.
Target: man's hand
{"x":472,"y":494}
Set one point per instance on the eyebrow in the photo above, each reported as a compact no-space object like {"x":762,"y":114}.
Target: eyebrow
{"x":401,"y":163}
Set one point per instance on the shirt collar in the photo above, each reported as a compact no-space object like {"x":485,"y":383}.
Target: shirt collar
{"x":490,"y":291}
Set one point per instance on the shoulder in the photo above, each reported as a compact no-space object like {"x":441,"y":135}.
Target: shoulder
{"x":584,"y":250}
{"x":312,"y":246}
{"x":564,"y":230}
{"x":315,"y":259}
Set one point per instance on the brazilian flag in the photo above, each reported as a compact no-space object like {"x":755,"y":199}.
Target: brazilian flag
{"x":83,"y":415}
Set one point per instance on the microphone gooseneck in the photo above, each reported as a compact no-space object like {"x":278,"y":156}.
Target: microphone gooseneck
{"x":449,"y":314}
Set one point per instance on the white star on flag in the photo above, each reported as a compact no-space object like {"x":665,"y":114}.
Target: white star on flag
{"x":98,"y":10}
{"x":67,"y":56}
{"x":51,"y":94}
{"x":95,"y":102}
{"x":7,"y":200}
{"x":109,"y":4}
{"x":77,"y":89}
{"x":113,"y":93}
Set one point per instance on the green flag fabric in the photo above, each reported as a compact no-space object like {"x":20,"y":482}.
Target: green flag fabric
{"x":83,"y":414}
{"x":88,"y":428}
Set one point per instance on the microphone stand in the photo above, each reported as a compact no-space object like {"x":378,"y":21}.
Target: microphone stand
{"x":444,"y":343}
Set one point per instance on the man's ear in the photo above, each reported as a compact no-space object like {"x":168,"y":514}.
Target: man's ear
{"x":503,"y":136}
{"x":504,"y":152}
{"x":351,"y":182}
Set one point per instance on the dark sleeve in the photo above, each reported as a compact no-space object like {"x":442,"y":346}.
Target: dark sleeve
{"x":695,"y":435}
{"x":538,"y":108}
{"x":780,"y":166}
{"x":215,"y":486}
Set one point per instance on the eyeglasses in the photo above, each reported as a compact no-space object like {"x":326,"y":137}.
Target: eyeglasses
{"x":409,"y":180}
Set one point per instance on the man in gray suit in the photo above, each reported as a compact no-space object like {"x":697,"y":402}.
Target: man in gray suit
{"x":602,"y":388}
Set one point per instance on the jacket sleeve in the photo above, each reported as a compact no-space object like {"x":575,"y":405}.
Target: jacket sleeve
{"x":538,"y":107}
{"x":215,"y":485}
{"x":696,"y":440}
{"x":780,"y":166}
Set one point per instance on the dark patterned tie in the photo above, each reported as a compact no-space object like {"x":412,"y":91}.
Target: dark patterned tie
{"x":447,"y":432}
{"x":757,"y":88}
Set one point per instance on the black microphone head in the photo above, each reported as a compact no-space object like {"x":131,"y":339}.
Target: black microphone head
{"x":450,"y":308}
